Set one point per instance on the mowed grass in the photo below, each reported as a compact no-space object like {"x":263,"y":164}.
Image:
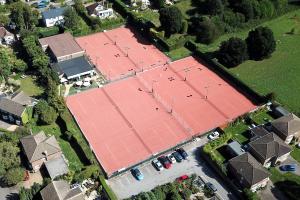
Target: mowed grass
{"x":29,"y":86}
{"x":179,"y":53}
{"x":280,"y":73}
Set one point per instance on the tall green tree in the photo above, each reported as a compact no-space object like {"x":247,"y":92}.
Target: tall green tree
{"x":158,"y":4}
{"x":71,"y":19}
{"x":213,"y":7}
{"x":23,"y":16}
{"x":261,"y":43}
{"x":9,"y":155}
{"x":170,"y":19}
{"x":233,"y":52}
{"x":14,"y":176}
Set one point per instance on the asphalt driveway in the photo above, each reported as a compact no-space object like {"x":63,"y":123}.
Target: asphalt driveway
{"x":126,"y":185}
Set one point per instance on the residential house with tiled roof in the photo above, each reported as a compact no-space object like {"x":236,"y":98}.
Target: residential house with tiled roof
{"x":269,"y":149}
{"x":287,"y":127}
{"x":248,"y":172}
{"x":100,"y":9}
{"x":39,"y":148}
{"x":61,"y":190}
{"x":61,"y":47}
{"x":6,"y":37}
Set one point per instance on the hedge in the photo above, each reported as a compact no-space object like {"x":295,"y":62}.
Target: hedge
{"x":46,"y":32}
{"x":222,"y":72}
{"x":111,"y":195}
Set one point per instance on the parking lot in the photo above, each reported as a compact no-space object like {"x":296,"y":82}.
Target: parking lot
{"x":126,"y":185}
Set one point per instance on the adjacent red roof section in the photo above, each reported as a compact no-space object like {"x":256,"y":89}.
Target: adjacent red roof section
{"x":120,"y":52}
{"x":128,"y":121}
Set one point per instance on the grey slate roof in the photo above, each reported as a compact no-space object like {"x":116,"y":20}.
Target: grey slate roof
{"x":73,"y":67}
{"x":56,"y":167}
{"x":248,"y":169}
{"x":22,"y":98}
{"x":11,"y":106}
{"x":287,"y":125}
{"x":35,"y":146}
{"x":269,"y":146}
{"x":53,"y":13}
{"x":60,"y":190}
{"x":235,"y":147}
{"x":258,"y":132}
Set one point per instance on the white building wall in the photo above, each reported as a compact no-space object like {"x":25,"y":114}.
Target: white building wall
{"x":53,"y":21}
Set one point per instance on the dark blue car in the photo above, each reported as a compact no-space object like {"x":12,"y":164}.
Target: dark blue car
{"x":137,"y":174}
{"x":183,"y":153}
{"x":288,"y":168}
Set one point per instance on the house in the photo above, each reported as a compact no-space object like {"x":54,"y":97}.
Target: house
{"x":56,"y":167}
{"x":258,"y":132}
{"x":13,"y":109}
{"x":279,"y":111}
{"x":6,"y":37}
{"x":39,"y":148}
{"x":248,"y":172}
{"x":2,"y":2}
{"x":100,"y":10}
{"x":61,"y":47}
{"x":287,"y":127}
{"x":269,"y":149}
{"x":73,"y":69}
{"x":53,"y":17}
{"x":61,"y":190}
{"x":144,"y":3}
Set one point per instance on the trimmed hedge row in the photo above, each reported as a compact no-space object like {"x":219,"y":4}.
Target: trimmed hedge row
{"x":46,"y":32}
{"x":111,"y":195}
{"x":221,"y":71}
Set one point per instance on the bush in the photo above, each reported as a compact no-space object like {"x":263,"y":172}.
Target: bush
{"x":107,"y":189}
{"x":158,"y":4}
{"x":13,"y":176}
{"x":91,"y":171}
{"x":170,"y":19}
{"x":267,"y":9}
{"x":261,"y":43}
{"x":232,"y":52}
{"x":46,"y":32}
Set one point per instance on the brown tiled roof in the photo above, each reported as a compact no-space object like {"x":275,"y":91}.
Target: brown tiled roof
{"x":11,"y":106}
{"x":287,"y":125}
{"x":92,"y":7}
{"x":4,"y":32}
{"x":269,"y":146}
{"x":62,"y":44}
{"x":60,"y":190}
{"x":248,"y":169}
{"x":35,"y":146}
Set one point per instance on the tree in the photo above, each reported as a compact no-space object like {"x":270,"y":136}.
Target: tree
{"x":232,"y":52}
{"x":245,"y":7}
{"x":158,"y":4}
{"x":4,"y":19}
{"x":170,"y":19}
{"x":174,"y":195}
{"x":9,"y":155}
{"x":14,"y":176}
{"x":159,"y":194}
{"x":49,"y":115}
{"x":23,"y":16}
{"x":261,"y":43}
{"x":71,"y":19}
{"x":213,"y":7}
{"x":205,"y":29}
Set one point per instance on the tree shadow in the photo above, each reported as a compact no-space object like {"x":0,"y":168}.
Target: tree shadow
{"x":290,"y":188}
{"x":12,"y":196}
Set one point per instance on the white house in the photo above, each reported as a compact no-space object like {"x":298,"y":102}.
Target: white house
{"x":53,"y":17}
{"x":6,"y":37}
{"x":100,"y":10}
{"x":144,"y":3}
{"x":2,"y":2}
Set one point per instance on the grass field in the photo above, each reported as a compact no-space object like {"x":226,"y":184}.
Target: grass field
{"x":29,"y":86}
{"x":238,"y":130}
{"x":178,"y":53}
{"x":280,"y":73}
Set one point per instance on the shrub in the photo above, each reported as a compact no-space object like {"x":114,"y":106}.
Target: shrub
{"x":158,"y":4}
{"x":107,"y":189}
{"x":267,"y":9}
{"x":232,"y":52}
{"x":261,"y":43}
{"x":13,"y":176}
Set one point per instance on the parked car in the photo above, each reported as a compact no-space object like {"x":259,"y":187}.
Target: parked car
{"x":165,"y":162}
{"x":137,"y":174}
{"x":199,"y":182}
{"x":157,"y":165}
{"x":211,"y":186}
{"x":183,"y":153}
{"x":182,"y":178}
{"x":288,"y":168}
{"x":177,"y":156}
{"x":298,"y":145}
{"x":171,"y":158}
{"x":213,"y":135}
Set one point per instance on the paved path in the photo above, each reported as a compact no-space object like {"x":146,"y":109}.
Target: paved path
{"x":9,"y":193}
{"x":126,"y":185}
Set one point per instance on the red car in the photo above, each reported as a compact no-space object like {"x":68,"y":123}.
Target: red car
{"x":165,"y":162}
{"x":182,"y":178}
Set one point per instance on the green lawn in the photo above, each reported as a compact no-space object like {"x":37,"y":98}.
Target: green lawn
{"x":280,"y":73}
{"x":186,"y":7}
{"x":74,"y":161}
{"x":237,"y":129}
{"x":151,"y":16}
{"x":261,"y":117}
{"x":29,"y":86}
{"x":296,"y":153}
{"x":178,"y":53}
